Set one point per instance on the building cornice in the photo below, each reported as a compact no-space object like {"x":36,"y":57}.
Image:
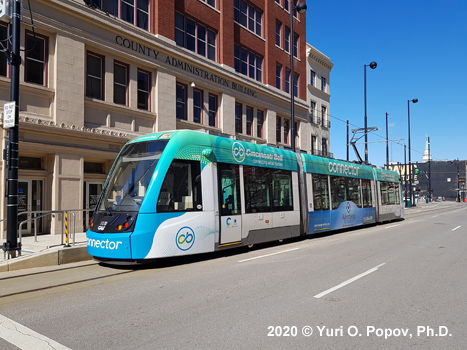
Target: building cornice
{"x":318,"y":56}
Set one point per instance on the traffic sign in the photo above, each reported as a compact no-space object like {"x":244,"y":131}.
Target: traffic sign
{"x":9,"y":115}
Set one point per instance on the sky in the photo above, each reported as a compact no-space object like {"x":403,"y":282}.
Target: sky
{"x":420,"y":47}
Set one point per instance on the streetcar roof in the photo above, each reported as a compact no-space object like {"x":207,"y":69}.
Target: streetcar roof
{"x":196,"y":145}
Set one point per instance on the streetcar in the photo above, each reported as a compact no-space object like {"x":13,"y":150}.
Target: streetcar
{"x":188,"y":192}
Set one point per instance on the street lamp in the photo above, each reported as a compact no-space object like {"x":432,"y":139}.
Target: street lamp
{"x":300,"y":8}
{"x":372,"y":65}
{"x":415,"y":100}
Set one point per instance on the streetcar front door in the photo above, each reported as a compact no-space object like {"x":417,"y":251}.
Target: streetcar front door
{"x":230,"y":203}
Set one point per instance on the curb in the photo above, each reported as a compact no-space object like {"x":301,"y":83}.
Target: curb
{"x":51,"y":258}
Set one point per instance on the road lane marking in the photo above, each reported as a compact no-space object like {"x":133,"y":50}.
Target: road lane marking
{"x":25,"y":338}
{"x":455,"y":228}
{"x":392,"y":226}
{"x":264,"y":256}
{"x":317,"y":296}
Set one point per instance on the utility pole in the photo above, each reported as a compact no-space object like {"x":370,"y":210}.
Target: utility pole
{"x":347,"y":140}
{"x":11,"y":246}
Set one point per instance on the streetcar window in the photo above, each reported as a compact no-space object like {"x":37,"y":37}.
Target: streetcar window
{"x":267,"y":190}
{"x":229,"y":178}
{"x":338,"y":191}
{"x":181,"y":190}
{"x":353,"y":186}
{"x":282,"y":190}
{"x":348,"y":189}
{"x":257,"y":190}
{"x":130,"y":177}
{"x":389,"y":193}
{"x":320,"y":192}
{"x":366,"y":193}
{"x":397,"y":191}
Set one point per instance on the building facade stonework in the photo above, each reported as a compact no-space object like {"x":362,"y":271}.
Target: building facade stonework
{"x":96,"y":74}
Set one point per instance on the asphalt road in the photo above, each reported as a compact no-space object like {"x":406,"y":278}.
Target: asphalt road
{"x":400,"y":285}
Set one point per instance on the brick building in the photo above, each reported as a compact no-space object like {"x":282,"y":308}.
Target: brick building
{"x":97,"y":73}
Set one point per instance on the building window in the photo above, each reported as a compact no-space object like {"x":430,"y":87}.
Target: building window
{"x":323,"y":84}
{"x":4,"y":46}
{"x":286,"y":5}
{"x":93,"y":168}
{"x":278,"y":129}
{"x":313,"y":145}
{"x":287,"y":80}
{"x":324,"y":147}
{"x":95,"y":76}
{"x":120,"y":83}
{"x":181,"y":102}
{"x":287,"y":40}
{"x":248,"y":16}
{"x":35,"y":69}
{"x":212,"y":110}
{"x":323,"y":116}
{"x":312,"y":78}
{"x":286,"y":131}
{"x":259,"y":123}
{"x":210,"y":2}
{"x":296,"y":133}
{"x":144,"y":89}
{"x":238,"y":118}
{"x":312,"y":111}
{"x":295,"y":84}
{"x":247,"y":63}
{"x":132,"y":11}
{"x":278,"y":75}
{"x":295,"y":45}
{"x":249,"y":121}
{"x":198,"y":106}
{"x":195,"y":37}
{"x":278,"y":33}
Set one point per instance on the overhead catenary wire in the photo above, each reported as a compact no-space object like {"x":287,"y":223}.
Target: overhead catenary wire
{"x":380,"y":136}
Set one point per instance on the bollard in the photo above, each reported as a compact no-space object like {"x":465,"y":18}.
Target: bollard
{"x":66,"y":230}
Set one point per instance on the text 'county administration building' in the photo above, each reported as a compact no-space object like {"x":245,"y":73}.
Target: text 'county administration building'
{"x":97,"y":73}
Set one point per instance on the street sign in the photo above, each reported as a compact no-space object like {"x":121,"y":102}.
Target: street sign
{"x":9,"y":115}
{"x":417,"y":171}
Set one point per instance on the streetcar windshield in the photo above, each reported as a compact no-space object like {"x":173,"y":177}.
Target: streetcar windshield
{"x":130,"y":177}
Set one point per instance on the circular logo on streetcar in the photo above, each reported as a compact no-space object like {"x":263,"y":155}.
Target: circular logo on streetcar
{"x":185,"y":238}
{"x":238,"y":152}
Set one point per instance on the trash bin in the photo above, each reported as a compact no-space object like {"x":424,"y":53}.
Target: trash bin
{"x":409,"y":203}
{"x":426,"y":199}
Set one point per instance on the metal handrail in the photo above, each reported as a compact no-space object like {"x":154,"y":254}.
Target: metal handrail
{"x":45,"y":213}
{"x":20,"y":233}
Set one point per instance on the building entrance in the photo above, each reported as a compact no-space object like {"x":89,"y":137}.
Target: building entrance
{"x":30,"y":198}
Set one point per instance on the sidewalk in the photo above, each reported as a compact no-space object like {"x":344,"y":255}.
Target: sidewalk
{"x":47,"y":251}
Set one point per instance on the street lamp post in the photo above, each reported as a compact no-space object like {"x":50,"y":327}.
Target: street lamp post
{"x":405,"y":174}
{"x":300,"y":8}
{"x":372,"y":65}
{"x":415,"y":100}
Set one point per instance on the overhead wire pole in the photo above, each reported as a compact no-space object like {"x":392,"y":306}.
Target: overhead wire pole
{"x":11,"y":246}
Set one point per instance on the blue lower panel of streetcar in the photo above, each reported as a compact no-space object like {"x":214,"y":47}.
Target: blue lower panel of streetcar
{"x":347,"y":215}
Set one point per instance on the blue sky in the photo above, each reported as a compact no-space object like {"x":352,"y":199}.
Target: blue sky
{"x":420,"y":47}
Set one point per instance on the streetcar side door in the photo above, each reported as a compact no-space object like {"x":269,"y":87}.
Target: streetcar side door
{"x":229,"y":203}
